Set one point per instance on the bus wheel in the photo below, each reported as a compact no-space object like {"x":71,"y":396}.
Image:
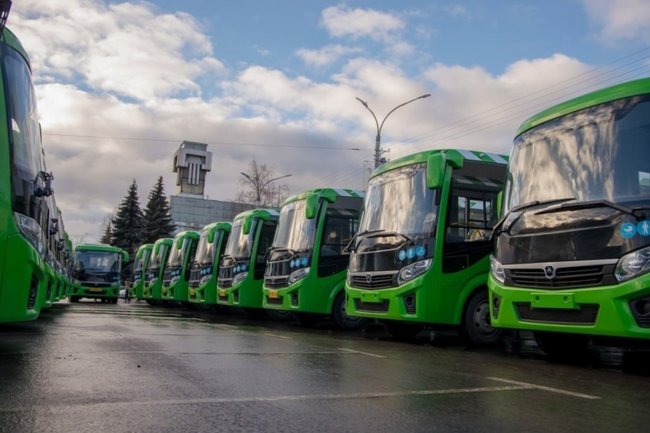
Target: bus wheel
{"x":563,"y":347}
{"x":403,"y":331}
{"x":74,"y":299}
{"x":477,"y":327}
{"x":350,"y":323}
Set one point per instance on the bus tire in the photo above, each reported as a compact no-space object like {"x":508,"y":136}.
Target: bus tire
{"x":74,"y":299}
{"x":477,"y":328}
{"x":339,"y":313}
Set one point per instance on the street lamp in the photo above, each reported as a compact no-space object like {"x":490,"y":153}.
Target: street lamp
{"x":380,"y":126}
{"x":259,"y":188}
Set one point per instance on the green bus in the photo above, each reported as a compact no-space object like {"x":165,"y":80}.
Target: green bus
{"x":572,"y":250}
{"x":205,"y":266}
{"x":24,"y":185}
{"x":421,"y":255}
{"x":307,"y":265}
{"x":241,"y":272}
{"x":140,"y":266}
{"x":97,"y":269}
{"x":177,"y":271}
{"x":152,"y":287}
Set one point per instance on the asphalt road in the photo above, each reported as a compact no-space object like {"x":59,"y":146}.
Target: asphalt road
{"x":135,"y":368}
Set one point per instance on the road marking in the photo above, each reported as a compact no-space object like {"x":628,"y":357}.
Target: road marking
{"x":278,"y":398}
{"x":284,"y":337}
{"x":546,"y":388}
{"x":362,"y":353}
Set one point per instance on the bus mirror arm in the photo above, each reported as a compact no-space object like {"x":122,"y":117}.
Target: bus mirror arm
{"x":46,"y":190}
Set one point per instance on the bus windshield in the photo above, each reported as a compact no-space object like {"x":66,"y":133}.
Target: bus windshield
{"x":205,"y":251}
{"x":295,"y":231}
{"x":27,"y":159}
{"x":97,"y":265}
{"x":139,"y":264}
{"x":239,"y":245}
{"x":156,"y":259}
{"x":399,"y":201}
{"x":176,"y":254}
{"x":600,"y":153}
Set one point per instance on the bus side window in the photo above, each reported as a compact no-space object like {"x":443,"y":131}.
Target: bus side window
{"x":339,"y":228}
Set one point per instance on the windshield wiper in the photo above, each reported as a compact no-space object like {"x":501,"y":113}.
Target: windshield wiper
{"x":588,"y":205}
{"x":497,"y":228}
{"x":374,"y":234}
{"x":347,"y":248}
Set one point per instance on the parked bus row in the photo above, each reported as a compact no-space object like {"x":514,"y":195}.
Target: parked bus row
{"x":35,"y":250}
{"x":568,"y":259}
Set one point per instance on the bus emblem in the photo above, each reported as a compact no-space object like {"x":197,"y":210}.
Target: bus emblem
{"x":368,"y":278}
{"x":549,"y":272}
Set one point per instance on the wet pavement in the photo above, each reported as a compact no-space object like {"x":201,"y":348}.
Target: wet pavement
{"x":135,"y":368}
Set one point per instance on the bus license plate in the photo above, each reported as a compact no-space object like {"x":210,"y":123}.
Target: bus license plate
{"x":273,"y":294}
{"x":553,"y":300}
{"x":95,"y":290}
{"x":222,"y":292}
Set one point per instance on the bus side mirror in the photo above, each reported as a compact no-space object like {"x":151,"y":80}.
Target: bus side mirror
{"x":125,"y":256}
{"x":311,"y":206}
{"x":246,"y":228}
{"x":436,"y":165}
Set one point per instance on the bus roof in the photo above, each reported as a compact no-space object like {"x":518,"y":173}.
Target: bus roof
{"x":608,"y":94}
{"x":219,"y":225}
{"x":187,"y":234}
{"x":99,"y":247}
{"x":161,"y":241}
{"x":420,"y":157}
{"x":265,"y":214}
{"x":329,"y":194}
{"x":9,"y":38}
{"x":144,"y":247}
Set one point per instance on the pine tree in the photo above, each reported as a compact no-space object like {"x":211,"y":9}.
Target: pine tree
{"x":158,"y":221}
{"x":107,"y":237}
{"x":127,"y":223}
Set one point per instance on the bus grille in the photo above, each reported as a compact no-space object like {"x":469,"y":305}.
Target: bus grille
{"x":565,"y":278}
{"x":586,"y":315}
{"x":276,"y":282}
{"x":373,"y":281}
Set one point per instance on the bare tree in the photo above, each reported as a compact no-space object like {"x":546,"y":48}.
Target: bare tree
{"x":257,"y":186}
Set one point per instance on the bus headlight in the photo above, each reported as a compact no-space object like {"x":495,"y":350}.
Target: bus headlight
{"x":633,"y":264}
{"x":496,"y":268}
{"x":174,"y":280}
{"x":204,"y":280}
{"x":298,"y":275}
{"x":239,"y":278}
{"x":413,"y":270}
{"x":31,"y":230}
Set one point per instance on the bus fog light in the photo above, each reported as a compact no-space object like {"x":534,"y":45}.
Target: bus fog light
{"x":633,"y":264}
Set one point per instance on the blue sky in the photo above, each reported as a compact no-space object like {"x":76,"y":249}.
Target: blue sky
{"x":121,"y":83}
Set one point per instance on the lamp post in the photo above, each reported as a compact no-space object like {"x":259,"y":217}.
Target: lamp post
{"x":259,"y":188}
{"x":380,"y":126}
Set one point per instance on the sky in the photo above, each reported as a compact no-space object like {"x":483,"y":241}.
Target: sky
{"x":120,"y":84}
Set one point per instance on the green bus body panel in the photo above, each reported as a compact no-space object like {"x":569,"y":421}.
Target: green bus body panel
{"x":440,"y":297}
{"x":154,"y":291}
{"x":112,"y":292}
{"x":207,"y":293}
{"x":179,"y":290}
{"x":614,"y":318}
{"x":249,"y":290}
{"x":23,"y":274}
{"x":135,"y":291}
{"x":315,"y":294}
{"x":620,"y":91}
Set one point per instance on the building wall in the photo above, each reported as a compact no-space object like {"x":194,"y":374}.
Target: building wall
{"x":193,"y":213}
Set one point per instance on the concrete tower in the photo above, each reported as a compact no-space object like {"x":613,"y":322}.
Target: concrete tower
{"x":191,"y":163}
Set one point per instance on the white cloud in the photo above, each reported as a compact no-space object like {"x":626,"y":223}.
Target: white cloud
{"x":620,"y":19}
{"x":342,"y":21}
{"x":124,"y":48}
{"x":326,"y":55}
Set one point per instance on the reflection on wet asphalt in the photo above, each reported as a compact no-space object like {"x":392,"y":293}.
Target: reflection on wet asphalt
{"x":136,"y":368}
